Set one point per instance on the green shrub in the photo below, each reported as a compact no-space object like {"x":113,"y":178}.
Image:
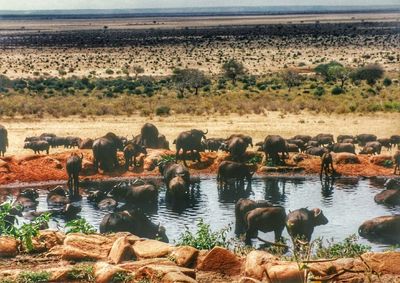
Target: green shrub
{"x":319,"y":91}
{"x":163,"y":111}
{"x":346,"y":248}
{"x":33,"y":277}
{"x":121,"y":277}
{"x":204,"y":238}
{"x":109,"y":72}
{"x":336,"y":90}
{"x":80,"y":226}
{"x":387,"y":81}
{"x":81,"y":272}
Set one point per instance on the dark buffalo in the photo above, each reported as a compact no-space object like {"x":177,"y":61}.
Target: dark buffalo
{"x":71,"y":142}
{"x":324,"y":139}
{"x":373,"y":147}
{"x":3,"y":140}
{"x":300,"y":143}
{"x":364,"y":138}
{"x":272,"y":146}
{"x":86,"y":144}
{"x":212,"y":144}
{"x":389,"y":197}
{"x":233,"y":170}
{"x":38,"y":146}
{"x":27,"y":199}
{"x":265,"y":219}
{"x":132,"y":150}
{"x":105,"y":152}
{"x":395,"y":140}
{"x":326,"y":164}
{"x":58,"y":141}
{"x":385,"y":142}
{"x":304,"y":138}
{"x":353,"y":141}
{"x":74,"y":167}
{"x":102,"y":201}
{"x":247,"y":139}
{"x":149,"y":136}
{"x":317,"y":151}
{"x":301,"y":222}
{"x":189,"y":141}
{"x":292,"y":147}
{"x":342,"y":147}
{"x":133,"y":221}
{"x":385,"y":229}
{"x":57,"y":197}
{"x":31,"y":139}
{"x":312,"y":144}
{"x":236,"y":146}
{"x":341,"y":138}
{"x":396,"y":161}
{"x":242,"y":207}
{"x":171,"y":170}
{"x":140,"y":194}
{"x":161,"y":142}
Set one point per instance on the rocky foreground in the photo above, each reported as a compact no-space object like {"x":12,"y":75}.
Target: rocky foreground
{"x":123,"y":257}
{"x":40,"y":168}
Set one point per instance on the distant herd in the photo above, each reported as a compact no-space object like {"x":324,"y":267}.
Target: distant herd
{"x":251,"y":216}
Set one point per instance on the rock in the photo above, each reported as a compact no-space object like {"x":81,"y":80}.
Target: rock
{"x":322,"y":269}
{"x":47,"y":239}
{"x":287,"y":272}
{"x":151,"y":249}
{"x":391,"y":197}
{"x":80,"y":246}
{"x":221,"y":260}
{"x":157,"y":272}
{"x":121,"y":250}
{"x":249,"y":280}
{"x":130,"y":237}
{"x":60,"y":274}
{"x":8,"y":246}
{"x":184,"y":256}
{"x":255,"y":266}
{"x":175,"y":277}
{"x":384,"y":262}
{"x":135,"y":265}
{"x":346,"y":158}
{"x":104,"y":272}
{"x":381,"y":160}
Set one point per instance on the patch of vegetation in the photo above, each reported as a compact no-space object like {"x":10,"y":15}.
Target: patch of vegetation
{"x":33,"y":277}
{"x":349,"y":247}
{"x":81,"y":272}
{"x":387,"y":163}
{"x":80,"y":226}
{"x":256,"y":159}
{"x":163,"y":111}
{"x":164,"y":159}
{"x":122,"y":277}
{"x":204,"y":238}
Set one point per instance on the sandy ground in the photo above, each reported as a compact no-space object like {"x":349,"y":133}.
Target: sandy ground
{"x":257,"y":126}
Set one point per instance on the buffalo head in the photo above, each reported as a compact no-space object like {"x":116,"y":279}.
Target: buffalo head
{"x":319,"y":217}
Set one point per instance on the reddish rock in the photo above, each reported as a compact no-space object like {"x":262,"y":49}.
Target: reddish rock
{"x":184,"y":256}
{"x":381,"y":159}
{"x":255,"y":266}
{"x":151,"y":249}
{"x":384,"y":263}
{"x":155,"y":273}
{"x":8,"y":246}
{"x":135,"y":265}
{"x":121,"y":250}
{"x":104,"y":272}
{"x":221,"y":260}
{"x":285,"y":272}
{"x":177,"y":277}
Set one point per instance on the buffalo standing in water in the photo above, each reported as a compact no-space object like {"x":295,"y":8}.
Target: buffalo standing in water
{"x":3,"y":140}
{"x":272,"y":146}
{"x":300,"y":223}
{"x":74,"y":166}
{"x":177,"y":180}
{"x":133,"y":221}
{"x":105,"y":152}
{"x":190,"y":141}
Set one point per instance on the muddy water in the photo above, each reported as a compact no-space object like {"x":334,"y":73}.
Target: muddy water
{"x":346,"y":203}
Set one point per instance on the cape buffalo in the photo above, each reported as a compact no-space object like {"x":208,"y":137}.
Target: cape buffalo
{"x":373,"y":147}
{"x":71,"y":142}
{"x":317,"y":151}
{"x":140,"y":194}
{"x":236,"y":146}
{"x":74,"y":166}
{"x":396,"y":161}
{"x":385,"y":142}
{"x":272,"y":146}
{"x":27,"y":199}
{"x":324,"y":139}
{"x":326,"y":164}
{"x":171,"y":170}
{"x":57,"y":196}
{"x":395,"y":140}
{"x":233,"y":170}
{"x":341,"y":138}
{"x":342,"y":147}
{"x":242,"y":207}
{"x":132,"y":150}
{"x":300,"y":143}
{"x":38,"y":146}
{"x":300,"y":223}
{"x":364,"y":138}
{"x":385,"y":229}
{"x":102,"y":201}
{"x":86,"y":144}
{"x":149,"y":136}
{"x":265,"y":219}
{"x":212,"y":144}
{"x":292,"y":147}
{"x":3,"y":140}
{"x":304,"y":138}
{"x":133,"y":221}
{"x":247,"y":139}
{"x":105,"y":152}
{"x":189,"y":141}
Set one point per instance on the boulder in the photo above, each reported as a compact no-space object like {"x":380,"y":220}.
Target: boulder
{"x":105,"y":273}
{"x":133,"y":266}
{"x":184,"y":256}
{"x":46,"y":240}
{"x":8,"y":246}
{"x":121,"y":250}
{"x":175,"y":277}
{"x":346,"y":158}
{"x":383,"y":262}
{"x":155,"y":273}
{"x":255,"y":266}
{"x":221,"y":260}
{"x":249,"y":280}
{"x":81,"y":246}
{"x":391,"y":197}
{"x":381,"y":159}
{"x":151,"y":249}
{"x":287,"y":272}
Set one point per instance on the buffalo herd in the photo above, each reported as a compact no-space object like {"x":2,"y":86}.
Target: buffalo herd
{"x":251,"y":216}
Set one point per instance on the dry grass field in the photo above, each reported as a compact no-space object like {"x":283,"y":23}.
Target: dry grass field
{"x":258,"y":126}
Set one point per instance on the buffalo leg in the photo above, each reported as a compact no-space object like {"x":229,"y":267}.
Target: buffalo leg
{"x":278,"y":234}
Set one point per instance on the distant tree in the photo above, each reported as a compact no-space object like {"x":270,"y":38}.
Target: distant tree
{"x":181,"y":80}
{"x":197,"y":79}
{"x":370,"y":73}
{"x":233,"y":69}
{"x":189,"y":78}
{"x":338,"y":72}
{"x":323,"y":70}
{"x":291,"y":78}
{"x":137,"y":70}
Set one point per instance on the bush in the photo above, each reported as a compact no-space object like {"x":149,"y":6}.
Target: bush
{"x":33,"y":277}
{"x":163,"y":111}
{"x":319,"y":91}
{"x":109,"y":72}
{"x":337,"y":90}
{"x":204,"y":238}
{"x":80,"y":226}
{"x":347,"y":248}
{"x":387,"y":81}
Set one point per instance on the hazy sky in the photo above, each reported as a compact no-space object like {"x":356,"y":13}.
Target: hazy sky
{"x":118,"y":4}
